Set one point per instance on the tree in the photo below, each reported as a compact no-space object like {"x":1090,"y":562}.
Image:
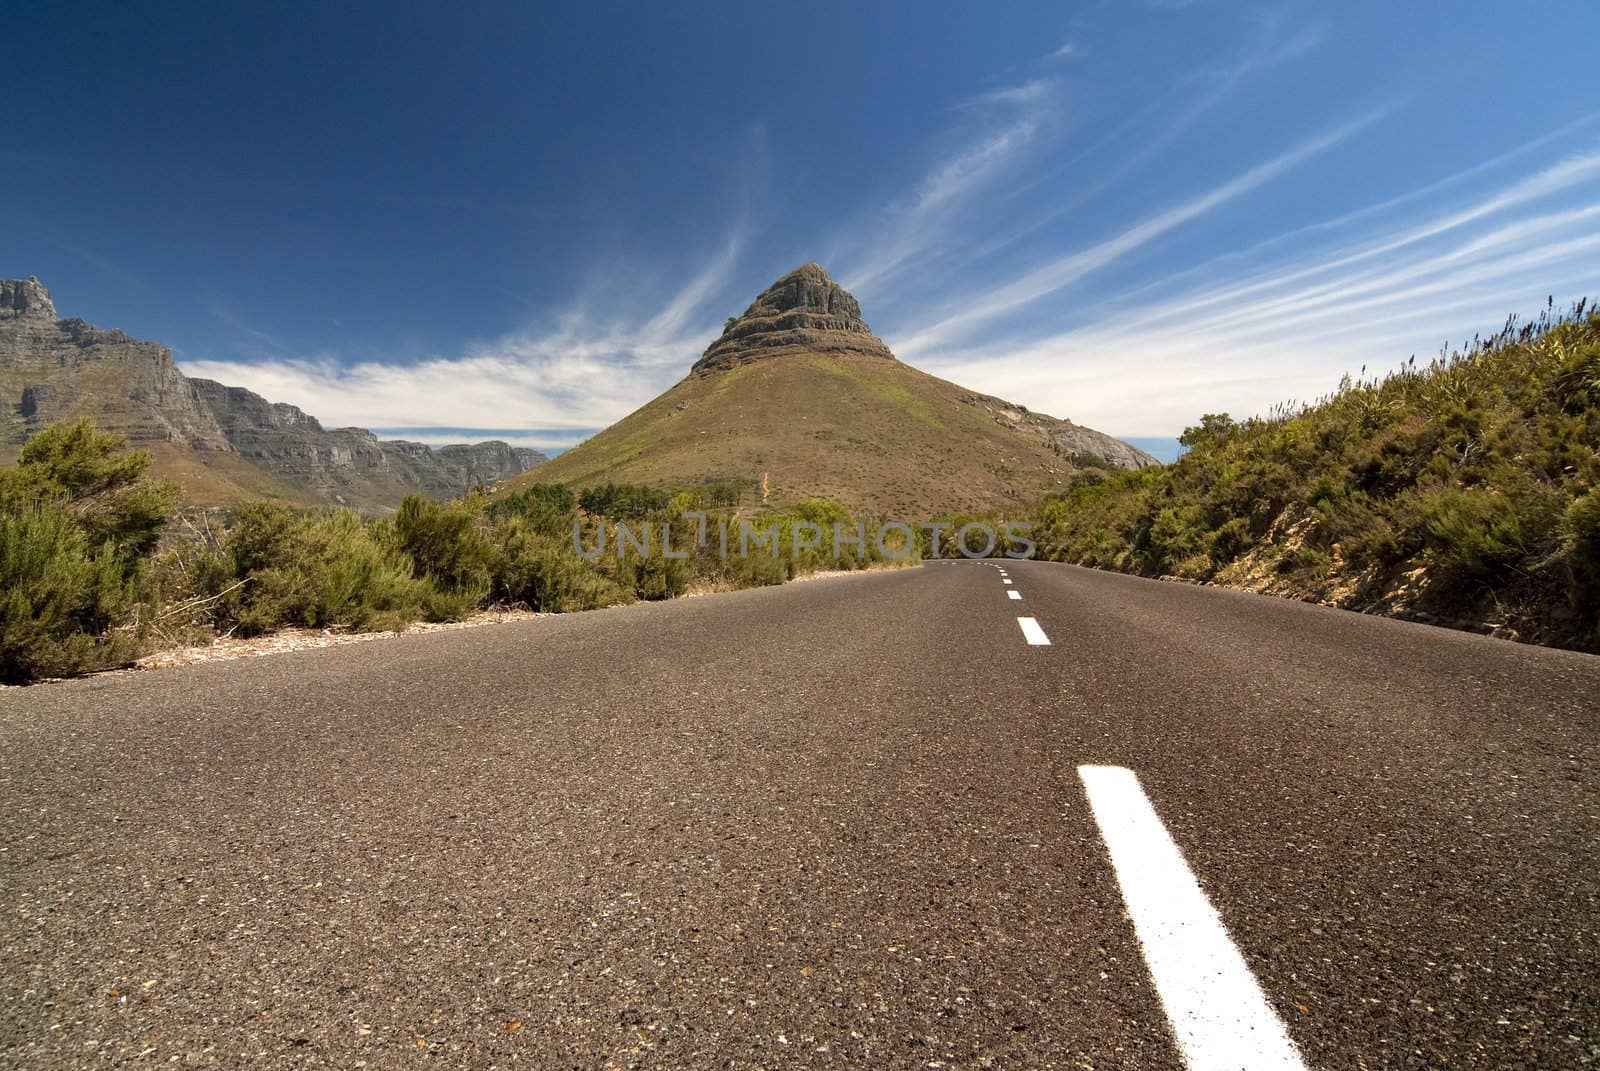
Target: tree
{"x":1212,"y":429}
{"x":98,"y":481}
{"x":78,"y":519}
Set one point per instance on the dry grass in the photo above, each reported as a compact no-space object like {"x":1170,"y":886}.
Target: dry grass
{"x":877,"y":436}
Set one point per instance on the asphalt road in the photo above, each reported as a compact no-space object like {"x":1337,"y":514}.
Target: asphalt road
{"x":841,"y":823}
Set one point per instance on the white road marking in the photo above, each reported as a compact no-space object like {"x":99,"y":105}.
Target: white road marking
{"x":1005,"y":581}
{"x":1217,"y":1010}
{"x":1013,"y":594}
{"x":1035,"y":634}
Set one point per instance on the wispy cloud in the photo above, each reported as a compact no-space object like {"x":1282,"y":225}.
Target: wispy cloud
{"x":1024,"y":93}
{"x":1063,"y":271}
{"x":1129,"y":145}
{"x":1282,"y":320}
{"x":567,"y":378}
{"x":1277,"y":317}
{"x":911,"y":227}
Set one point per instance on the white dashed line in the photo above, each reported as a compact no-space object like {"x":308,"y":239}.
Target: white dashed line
{"x":1221,"y":1019}
{"x":1013,"y":594}
{"x":1035,"y":634}
{"x":1005,"y":581}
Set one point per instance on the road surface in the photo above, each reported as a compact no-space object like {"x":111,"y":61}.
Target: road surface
{"x":920,"y":818}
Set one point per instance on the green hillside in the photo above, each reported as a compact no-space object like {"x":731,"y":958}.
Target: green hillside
{"x":876,"y":435}
{"x":1462,"y":492}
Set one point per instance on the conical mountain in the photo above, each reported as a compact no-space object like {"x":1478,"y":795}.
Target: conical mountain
{"x":798,"y":398}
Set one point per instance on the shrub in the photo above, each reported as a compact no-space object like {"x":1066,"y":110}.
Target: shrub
{"x":1473,"y":474}
{"x":80,"y":521}
{"x":542,"y":572}
{"x":1580,"y":527}
{"x":102,"y":483}
{"x":1230,"y":541}
{"x":1477,"y":532}
{"x":1304,"y":561}
{"x":59,"y":597}
{"x":1175,"y":534}
{"x":445,"y":546}
{"x":324,"y":570}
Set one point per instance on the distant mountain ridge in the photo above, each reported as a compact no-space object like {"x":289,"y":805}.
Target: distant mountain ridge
{"x":224,"y":443}
{"x":799,"y":397}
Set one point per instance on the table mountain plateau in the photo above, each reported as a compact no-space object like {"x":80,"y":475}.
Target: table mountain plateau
{"x":222,"y":443}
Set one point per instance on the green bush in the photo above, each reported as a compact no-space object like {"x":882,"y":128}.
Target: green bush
{"x":541,"y":571}
{"x":1475,"y":473}
{"x":103,"y":484}
{"x":445,"y":546}
{"x":80,"y":522}
{"x":326,"y":570}
{"x":59,"y":597}
{"x":1580,"y":527}
{"x":1230,"y":540}
{"x":1175,"y":534}
{"x":1304,"y":561}
{"x":1474,"y":531}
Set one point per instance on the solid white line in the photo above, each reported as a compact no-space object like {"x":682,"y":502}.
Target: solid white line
{"x":1013,"y":594}
{"x":1035,"y":634}
{"x":1218,"y":1012}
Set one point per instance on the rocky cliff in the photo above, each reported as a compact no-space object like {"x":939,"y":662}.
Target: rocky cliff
{"x":53,"y":369}
{"x":25,"y":297}
{"x":803,"y":312}
{"x":346,"y":463}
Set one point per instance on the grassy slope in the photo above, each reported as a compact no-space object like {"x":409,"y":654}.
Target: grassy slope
{"x":208,"y":478}
{"x":1463,"y":493}
{"x":878,"y":436}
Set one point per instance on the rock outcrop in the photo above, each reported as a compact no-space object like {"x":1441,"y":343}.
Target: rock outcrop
{"x":490,"y":461}
{"x":1076,"y":442}
{"x":25,"y":297}
{"x":53,"y":369}
{"x":345,"y":462}
{"x":803,"y":312}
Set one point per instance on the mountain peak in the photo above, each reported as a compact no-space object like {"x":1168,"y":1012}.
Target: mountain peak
{"x":25,"y":297}
{"x":803,"y":312}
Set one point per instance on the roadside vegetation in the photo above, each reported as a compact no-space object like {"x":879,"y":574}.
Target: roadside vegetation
{"x":1462,"y":492}
{"x":100,"y":563}
{"x":1465,"y":492}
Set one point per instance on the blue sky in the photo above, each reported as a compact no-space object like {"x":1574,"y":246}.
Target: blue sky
{"x":526,"y":220}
